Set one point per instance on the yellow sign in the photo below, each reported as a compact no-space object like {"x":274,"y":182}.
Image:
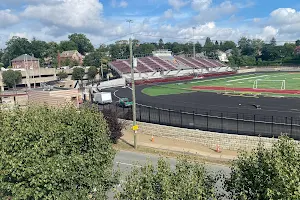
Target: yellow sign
{"x":135,"y":128}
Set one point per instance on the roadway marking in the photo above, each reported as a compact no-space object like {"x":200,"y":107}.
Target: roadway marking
{"x":128,"y":164}
{"x":116,"y":95}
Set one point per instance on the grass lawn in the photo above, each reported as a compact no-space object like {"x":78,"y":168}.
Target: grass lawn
{"x":265,"y":81}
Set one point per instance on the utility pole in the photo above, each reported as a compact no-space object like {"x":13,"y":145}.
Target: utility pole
{"x":133,"y":89}
{"x":194,"y":49}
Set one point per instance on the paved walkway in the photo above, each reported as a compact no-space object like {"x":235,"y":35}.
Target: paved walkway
{"x":179,"y":146}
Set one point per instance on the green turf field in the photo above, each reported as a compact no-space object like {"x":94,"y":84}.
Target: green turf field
{"x":276,"y":80}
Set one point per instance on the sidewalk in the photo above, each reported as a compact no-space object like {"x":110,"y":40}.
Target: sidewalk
{"x":179,"y":146}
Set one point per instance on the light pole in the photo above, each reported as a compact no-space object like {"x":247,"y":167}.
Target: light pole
{"x":134,"y":127}
{"x":194,"y":49}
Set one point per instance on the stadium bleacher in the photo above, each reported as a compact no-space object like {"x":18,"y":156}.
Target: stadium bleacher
{"x":156,"y":66}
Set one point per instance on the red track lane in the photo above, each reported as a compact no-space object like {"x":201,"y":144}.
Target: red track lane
{"x":275,"y":91}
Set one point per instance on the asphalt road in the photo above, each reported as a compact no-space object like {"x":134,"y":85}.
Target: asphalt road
{"x":125,"y":160}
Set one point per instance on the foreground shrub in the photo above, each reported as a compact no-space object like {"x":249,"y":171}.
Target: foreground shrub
{"x":49,"y":153}
{"x":267,"y":173}
{"x":187,"y":181}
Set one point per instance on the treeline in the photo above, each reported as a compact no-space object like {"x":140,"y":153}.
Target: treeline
{"x":245,"y":52}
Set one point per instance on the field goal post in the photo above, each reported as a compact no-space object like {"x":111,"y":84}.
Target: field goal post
{"x":256,"y":83}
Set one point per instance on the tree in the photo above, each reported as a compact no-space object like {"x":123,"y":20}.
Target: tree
{"x":114,"y":124}
{"x":78,"y":74}
{"x":93,"y":59}
{"x":11,"y":78}
{"x":227,"y":45}
{"x":161,"y":44}
{"x":56,"y":154}
{"x":198,"y":47}
{"x":267,"y":173}
{"x":245,"y":46}
{"x":15,"y":47}
{"x":83,"y":44}
{"x":273,"y":42}
{"x":62,"y":75}
{"x":39,"y":48}
{"x":92,"y":72}
{"x":68,"y":46}
{"x":257,"y":45}
{"x":188,"y":181}
{"x":208,"y":46}
{"x":297,"y":42}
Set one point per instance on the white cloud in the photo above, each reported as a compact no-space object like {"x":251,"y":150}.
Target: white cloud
{"x":213,"y":13}
{"x":7,"y":18}
{"x":201,"y":4}
{"x":268,"y":32}
{"x":68,"y":14}
{"x":168,"y":14}
{"x":282,"y":16}
{"x":123,"y":4}
{"x":177,"y":4}
{"x":21,"y":35}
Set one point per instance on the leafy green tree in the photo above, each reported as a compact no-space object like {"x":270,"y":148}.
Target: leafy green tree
{"x":208,"y":46}
{"x":161,"y":44}
{"x":227,"y":45}
{"x":62,"y":75}
{"x":257,"y":45}
{"x":78,"y":74}
{"x":273,"y":42}
{"x":93,"y":59}
{"x":49,"y":153}
{"x":11,"y":78}
{"x":83,"y":44}
{"x":188,"y":181}
{"x":39,"y":48}
{"x":198,"y":47}
{"x":114,"y":124}
{"x":68,"y":46}
{"x":267,"y":173}
{"x":297,"y":42}
{"x":15,"y":47}
{"x":92,"y":72}
{"x":245,"y":46}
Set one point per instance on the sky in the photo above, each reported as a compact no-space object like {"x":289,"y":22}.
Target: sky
{"x":104,"y":21}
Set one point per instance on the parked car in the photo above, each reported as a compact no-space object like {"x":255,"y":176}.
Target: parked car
{"x":124,"y":102}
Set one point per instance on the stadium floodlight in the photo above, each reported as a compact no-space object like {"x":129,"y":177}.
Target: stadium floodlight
{"x":265,"y":84}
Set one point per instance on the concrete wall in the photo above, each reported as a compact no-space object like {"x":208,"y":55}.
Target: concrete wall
{"x":209,"y":139}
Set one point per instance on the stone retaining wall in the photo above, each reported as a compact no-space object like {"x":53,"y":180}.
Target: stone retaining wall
{"x":209,"y":139}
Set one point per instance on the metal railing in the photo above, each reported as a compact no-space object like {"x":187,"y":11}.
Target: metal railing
{"x":215,"y":121}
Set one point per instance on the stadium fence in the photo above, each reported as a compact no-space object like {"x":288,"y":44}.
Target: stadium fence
{"x":214,"y":121}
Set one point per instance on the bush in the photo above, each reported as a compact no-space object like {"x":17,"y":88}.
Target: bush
{"x":267,"y":173}
{"x":188,"y":181}
{"x":114,"y":124}
{"x":49,"y":153}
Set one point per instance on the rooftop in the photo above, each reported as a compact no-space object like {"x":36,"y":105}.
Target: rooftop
{"x":25,"y":57}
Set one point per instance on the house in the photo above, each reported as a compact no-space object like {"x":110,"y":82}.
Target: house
{"x":72,"y":56}
{"x":25,"y":61}
{"x":222,"y":56}
{"x":297,"y":50}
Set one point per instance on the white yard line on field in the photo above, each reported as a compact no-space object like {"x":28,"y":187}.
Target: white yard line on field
{"x":240,"y":79}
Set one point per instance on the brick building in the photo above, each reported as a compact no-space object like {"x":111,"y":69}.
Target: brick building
{"x":25,"y":61}
{"x":72,"y":56}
